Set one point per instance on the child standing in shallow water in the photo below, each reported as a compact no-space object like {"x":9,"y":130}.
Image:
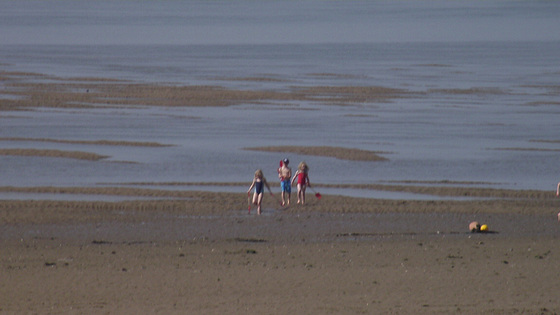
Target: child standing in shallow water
{"x":302,"y":181}
{"x":258,"y":183}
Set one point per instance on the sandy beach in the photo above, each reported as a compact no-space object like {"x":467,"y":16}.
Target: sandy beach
{"x":130,"y":132}
{"x":168,"y":251}
{"x":205,"y":254}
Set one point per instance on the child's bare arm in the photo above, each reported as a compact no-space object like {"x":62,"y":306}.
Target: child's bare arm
{"x":267,"y":186}
{"x":295,"y":176}
{"x":251,"y":187}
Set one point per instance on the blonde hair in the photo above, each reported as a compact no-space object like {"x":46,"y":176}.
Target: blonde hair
{"x":259,"y":173}
{"x":303,"y":167}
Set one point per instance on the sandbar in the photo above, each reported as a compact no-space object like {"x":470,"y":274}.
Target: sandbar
{"x":327,"y":151}
{"x":53,"y":153}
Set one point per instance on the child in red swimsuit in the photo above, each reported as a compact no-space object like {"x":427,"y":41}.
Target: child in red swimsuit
{"x":302,"y":181}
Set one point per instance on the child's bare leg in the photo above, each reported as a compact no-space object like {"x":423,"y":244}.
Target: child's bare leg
{"x":255,"y":198}
{"x":303,"y":194}
{"x":259,"y":202}
{"x":298,"y":193}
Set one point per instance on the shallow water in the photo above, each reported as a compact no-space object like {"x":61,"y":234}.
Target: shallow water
{"x":74,"y":197}
{"x":503,"y":51}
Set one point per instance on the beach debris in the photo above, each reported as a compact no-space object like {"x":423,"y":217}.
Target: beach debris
{"x":476,"y":227}
{"x":100,"y":242}
{"x":250,"y":240}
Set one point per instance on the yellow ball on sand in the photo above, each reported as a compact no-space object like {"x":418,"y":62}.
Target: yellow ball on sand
{"x":484,"y":228}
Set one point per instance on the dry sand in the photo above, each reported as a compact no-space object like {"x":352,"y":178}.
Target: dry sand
{"x":186,"y":252}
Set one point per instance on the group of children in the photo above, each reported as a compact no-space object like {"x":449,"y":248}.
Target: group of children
{"x":286,"y":182}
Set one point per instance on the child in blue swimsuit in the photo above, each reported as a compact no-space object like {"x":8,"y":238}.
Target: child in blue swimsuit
{"x":258,"y":183}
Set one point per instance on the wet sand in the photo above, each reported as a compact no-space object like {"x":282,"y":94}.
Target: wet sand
{"x":336,"y":152}
{"x":37,"y":90}
{"x":405,"y":276}
{"x":201,"y":252}
{"x":205,"y":254}
{"x":53,"y":153}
